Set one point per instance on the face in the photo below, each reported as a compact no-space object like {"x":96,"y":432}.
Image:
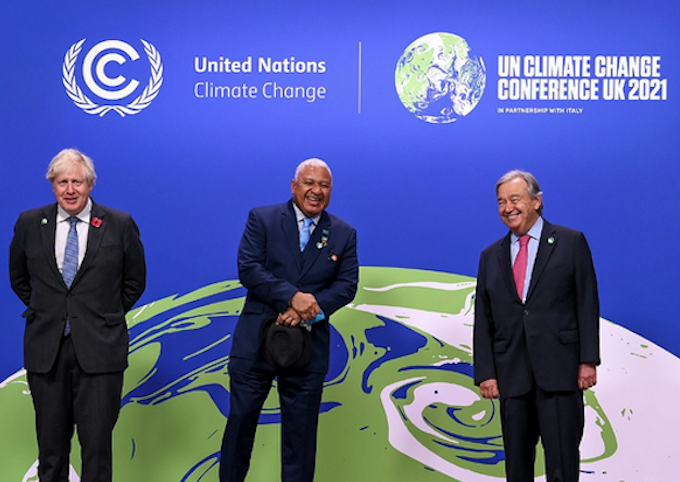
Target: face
{"x":517,"y":210}
{"x":71,"y":189}
{"x":312,"y":190}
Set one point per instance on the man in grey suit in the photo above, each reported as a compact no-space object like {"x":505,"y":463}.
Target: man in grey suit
{"x":79,"y":267}
{"x":536,"y":333}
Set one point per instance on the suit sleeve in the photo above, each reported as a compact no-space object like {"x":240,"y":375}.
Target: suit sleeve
{"x":587,"y":303}
{"x":253,"y":275}
{"x":134,"y":265}
{"x":20,"y":279}
{"x":344,"y":286}
{"x":483,"y":333}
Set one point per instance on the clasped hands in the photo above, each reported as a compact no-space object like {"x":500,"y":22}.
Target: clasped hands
{"x":303,"y":307}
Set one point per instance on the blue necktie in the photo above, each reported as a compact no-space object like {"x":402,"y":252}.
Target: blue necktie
{"x":70,"y":267}
{"x":305,"y":233}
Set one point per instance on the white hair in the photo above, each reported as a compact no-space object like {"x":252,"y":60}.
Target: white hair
{"x":68,"y":158}
{"x":314,"y":161}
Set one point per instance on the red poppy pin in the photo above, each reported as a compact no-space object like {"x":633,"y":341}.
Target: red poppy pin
{"x":96,"y":222}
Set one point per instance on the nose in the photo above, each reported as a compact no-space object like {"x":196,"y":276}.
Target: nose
{"x":509,"y":207}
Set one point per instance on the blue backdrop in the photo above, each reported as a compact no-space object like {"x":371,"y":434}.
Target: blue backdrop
{"x":419,"y":193}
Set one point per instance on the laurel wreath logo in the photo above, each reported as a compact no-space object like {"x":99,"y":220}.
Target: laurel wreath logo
{"x":135,"y":107}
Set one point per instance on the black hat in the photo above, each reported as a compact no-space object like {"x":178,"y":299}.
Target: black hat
{"x":285,"y":346}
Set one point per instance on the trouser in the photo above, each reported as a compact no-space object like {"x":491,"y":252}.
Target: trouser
{"x":300,"y":399}
{"x":67,"y":396}
{"x":557,"y":418}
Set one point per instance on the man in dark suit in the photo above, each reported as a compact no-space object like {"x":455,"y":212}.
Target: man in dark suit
{"x":78,"y":267}
{"x":536,"y":334}
{"x":299,"y":264}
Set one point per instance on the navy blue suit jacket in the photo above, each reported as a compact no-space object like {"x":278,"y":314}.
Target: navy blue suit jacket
{"x":557,"y":328}
{"x":273,"y":269}
{"x":108,"y":283}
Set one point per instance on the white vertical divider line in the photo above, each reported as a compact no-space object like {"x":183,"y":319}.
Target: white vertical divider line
{"x":359,"y":82}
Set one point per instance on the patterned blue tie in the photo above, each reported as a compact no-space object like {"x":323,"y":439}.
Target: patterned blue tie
{"x":305,"y":233}
{"x":70,"y":267}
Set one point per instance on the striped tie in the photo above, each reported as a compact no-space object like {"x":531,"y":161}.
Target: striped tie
{"x":70,"y":267}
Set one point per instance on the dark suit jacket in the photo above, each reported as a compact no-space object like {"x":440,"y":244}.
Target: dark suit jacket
{"x":546,"y":338}
{"x":109,"y":281}
{"x":272,"y":268}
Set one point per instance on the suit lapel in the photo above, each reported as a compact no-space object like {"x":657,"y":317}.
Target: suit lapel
{"x":290,"y":232}
{"x":48,"y":233}
{"x":545,"y":249}
{"x":505,"y":262}
{"x":312,"y":252}
{"x":94,"y":239}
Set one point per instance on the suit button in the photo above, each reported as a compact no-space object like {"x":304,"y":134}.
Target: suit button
{"x":526,"y":312}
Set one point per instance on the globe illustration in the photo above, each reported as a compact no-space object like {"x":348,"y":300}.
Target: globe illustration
{"x":437,"y":80}
{"x":399,"y":401}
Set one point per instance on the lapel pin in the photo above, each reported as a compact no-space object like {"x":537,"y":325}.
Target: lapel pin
{"x":551,"y":240}
{"x":96,"y":222}
{"x":43,"y":221}
{"x":324,"y":240}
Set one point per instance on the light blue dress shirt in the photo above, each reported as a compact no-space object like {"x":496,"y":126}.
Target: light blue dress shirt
{"x":301,"y":219}
{"x":532,"y":247}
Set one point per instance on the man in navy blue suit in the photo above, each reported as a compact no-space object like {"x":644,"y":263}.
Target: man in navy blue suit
{"x":536,"y":334}
{"x":299,"y":264}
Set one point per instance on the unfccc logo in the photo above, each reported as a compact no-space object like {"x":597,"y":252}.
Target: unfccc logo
{"x":111,"y":90}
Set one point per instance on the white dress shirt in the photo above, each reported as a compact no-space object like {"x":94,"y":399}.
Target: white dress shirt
{"x":63,"y":227}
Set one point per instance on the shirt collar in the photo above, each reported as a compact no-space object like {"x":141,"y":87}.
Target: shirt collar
{"x":534,"y":232}
{"x":299,"y":215}
{"x":83,"y":215}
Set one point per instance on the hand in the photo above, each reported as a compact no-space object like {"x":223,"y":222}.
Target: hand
{"x":305,"y":305}
{"x":587,"y":376}
{"x":288,"y":318}
{"x":489,"y":388}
